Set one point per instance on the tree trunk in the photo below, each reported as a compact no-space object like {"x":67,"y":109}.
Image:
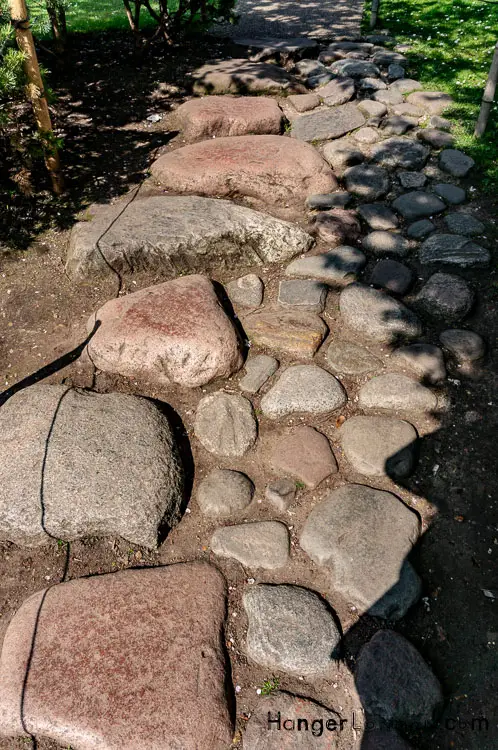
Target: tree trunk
{"x":488,"y":96}
{"x":36,"y":93}
{"x":57,"y":16}
{"x":374,"y":14}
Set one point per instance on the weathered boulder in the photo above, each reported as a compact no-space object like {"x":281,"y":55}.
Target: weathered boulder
{"x":177,"y":234}
{"x":271,"y":168}
{"x":220,"y":116}
{"x":100,"y":676}
{"x":75,"y":463}
{"x":176,"y":332}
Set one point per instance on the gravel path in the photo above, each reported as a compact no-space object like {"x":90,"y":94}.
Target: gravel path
{"x":287,"y":18}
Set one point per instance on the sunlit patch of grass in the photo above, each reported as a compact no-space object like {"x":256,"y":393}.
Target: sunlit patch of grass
{"x":452,"y":44}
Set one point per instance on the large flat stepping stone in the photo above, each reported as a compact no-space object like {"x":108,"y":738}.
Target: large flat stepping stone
{"x":271,"y":168}
{"x":224,"y":493}
{"x":75,"y":463}
{"x":287,"y":722}
{"x":240,"y":76}
{"x":262,"y":544}
{"x":400,"y":153}
{"x":221,"y":116}
{"x":362,"y":537}
{"x":347,"y":358}
{"x":327,"y":124}
{"x":305,"y":454}
{"x":396,"y":392}
{"x":418,"y":204}
{"x":337,"y":266}
{"x":178,"y":234}
{"x":297,"y":332}
{"x":176,"y":332}
{"x":225,"y":424}
{"x":445,"y":296}
{"x":303,"y":388}
{"x":380,"y":446}
{"x":394,"y":682}
{"x":434,"y":102}
{"x":101,"y":656}
{"x":290,"y":629}
{"x":376,"y":315}
{"x":453,"y":250}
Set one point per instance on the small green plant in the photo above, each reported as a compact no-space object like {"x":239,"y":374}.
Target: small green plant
{"x":300,"y":485}
{"x":61,"y":544}
{"x":269,"y":686}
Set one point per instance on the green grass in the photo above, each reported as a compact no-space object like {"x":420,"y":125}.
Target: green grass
{"x":89,"y":16}
{"x":452,"y":44}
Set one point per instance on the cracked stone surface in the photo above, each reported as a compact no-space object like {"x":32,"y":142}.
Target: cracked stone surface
{"x":327,"y":123}
{"x":171,"y":234}
{"x":380,"y":446}
{"x":88,"y":446}
{"x":290,"y":629}
{"x":88,"y":645}
{"x":176,"y":332}
{"x":303,"y":388}
{"x":362,"y":536}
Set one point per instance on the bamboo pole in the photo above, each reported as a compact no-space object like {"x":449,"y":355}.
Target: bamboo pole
{"x":374,"y":13}
{"x":36,"y":93}
{"x":488,"y":96}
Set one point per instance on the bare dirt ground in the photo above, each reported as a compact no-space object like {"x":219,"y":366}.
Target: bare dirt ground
{"x":109,"y":143}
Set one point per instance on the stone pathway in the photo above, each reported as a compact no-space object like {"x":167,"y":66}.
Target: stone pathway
{"x":347,"y":248}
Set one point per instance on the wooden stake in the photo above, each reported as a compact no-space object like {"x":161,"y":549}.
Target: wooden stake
{"x":374,"y":13}
{"x":36,"y":93}
{"x":488,"y":96}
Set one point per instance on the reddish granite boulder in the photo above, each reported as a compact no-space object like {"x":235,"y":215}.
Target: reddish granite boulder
{"x":228,"y":116}
{"x":271,"y":168}
{"x":121,"y":661}
{"x":176,"y":332}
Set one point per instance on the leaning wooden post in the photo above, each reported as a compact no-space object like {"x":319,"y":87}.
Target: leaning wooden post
{"x":374,"y":14}
{"x":36,"y":93}
{"x":488,"y":96}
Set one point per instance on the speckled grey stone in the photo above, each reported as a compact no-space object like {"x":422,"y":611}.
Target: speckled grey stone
{"x":262,"y":544}
{"x":341,"y":154}
{"x":378,"y":216}
{"x":246,"y":291}
{"x":305,"y":294}
{"x":417,"y":204}
{"x":425,"y":359}
{"x":435,"y":138}
{"x":109,"y":460}
{"x":337,"y":266}
{"x":394,"y":682}
{"x":361,"y":536}
{"x":440,"y":123}
{"x":380,"y":446}
{"x":258,"y":370}
{"x":445,"y":296}
{"x":400,"y":153}
{"x":224,"y":493}
{"x":465,"y":346}
{"x":393,"y":276}
{"x":386,"y":243}
{"x":225,"y":424}
{"x":455,"y":162}
{"x":412,"y":179}
{"x":452,"y":249}
{"x":346,"y":358}
{"x":327,"y":123}
{"x":451,"y":194}
{"x":303,"y":388}
{"x":396,"y":392}
{"x":399,"y":124}
{"x":376,"y":315}
{"x":406,"y":85}
{"x":395,"y":71}
{"x":367,"y":182}
{"x":371,"y":108}
{"x":281,"y":493}
{"x":389,"y":97}
{"x":290,"y":629}
{"x":420,"y":229}
{"x":366,"y":135}
{"x":355,"y":69}
{"x":465,"y":224}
